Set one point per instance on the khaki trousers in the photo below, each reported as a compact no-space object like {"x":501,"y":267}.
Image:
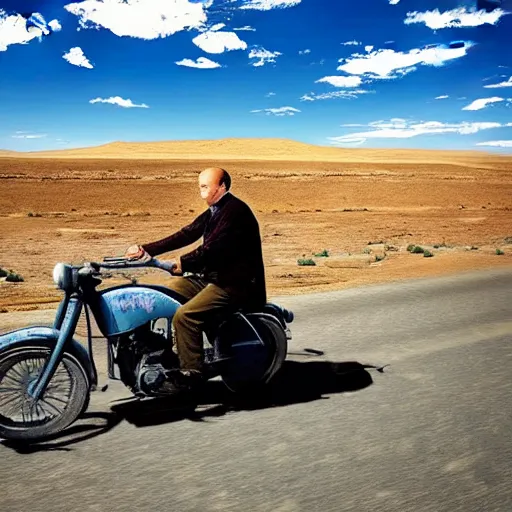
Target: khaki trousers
{"x":205,"y":302}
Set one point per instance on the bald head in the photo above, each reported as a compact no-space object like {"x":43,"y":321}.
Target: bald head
{"x":212,"y":175}
{"x":214,"y":182}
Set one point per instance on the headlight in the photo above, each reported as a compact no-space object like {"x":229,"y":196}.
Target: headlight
{"x":63,"y":276}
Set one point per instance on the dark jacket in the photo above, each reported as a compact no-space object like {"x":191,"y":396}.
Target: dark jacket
{"x":231,"y":253}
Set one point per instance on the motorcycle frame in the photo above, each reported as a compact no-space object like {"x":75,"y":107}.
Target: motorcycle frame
{"x":66,"y":320}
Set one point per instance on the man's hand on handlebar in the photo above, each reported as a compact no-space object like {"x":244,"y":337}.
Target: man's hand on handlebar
{"x":176,"y":271}
{"x":136,"y":252}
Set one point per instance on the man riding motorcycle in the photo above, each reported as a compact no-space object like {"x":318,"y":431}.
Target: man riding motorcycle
{"x":226,"y":272}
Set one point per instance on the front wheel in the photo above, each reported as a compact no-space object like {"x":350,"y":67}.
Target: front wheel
{"x":25,"y":419}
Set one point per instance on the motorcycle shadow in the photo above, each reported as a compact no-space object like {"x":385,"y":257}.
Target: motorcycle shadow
{"x":89,"y":425}
{"x":296,"y":382}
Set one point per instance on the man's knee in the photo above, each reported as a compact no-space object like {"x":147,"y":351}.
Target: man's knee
{"x":179,"y":316}
{"x":185,"y":317}
{"x":188,"y":316}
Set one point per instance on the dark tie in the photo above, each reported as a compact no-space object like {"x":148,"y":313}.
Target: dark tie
{"x":209,"y":225}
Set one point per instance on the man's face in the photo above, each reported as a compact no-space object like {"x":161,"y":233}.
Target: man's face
{"x":209,"y":188}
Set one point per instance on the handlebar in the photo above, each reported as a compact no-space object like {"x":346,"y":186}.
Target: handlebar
{"x":122,"y":262}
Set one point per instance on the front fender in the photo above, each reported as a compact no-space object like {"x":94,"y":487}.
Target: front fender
{"x":49,"y":335}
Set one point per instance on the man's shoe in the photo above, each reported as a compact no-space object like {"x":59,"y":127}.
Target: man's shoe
{"x":181,"y":381}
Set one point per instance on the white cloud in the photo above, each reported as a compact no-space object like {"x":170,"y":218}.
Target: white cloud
{"x":201,"y":62}
{"x":217,"y":26}
{"x":76,"y":57}
{"x":55,"y":25}
{"x":351,"y":43}
{"x":482,"y":103}
{"x":263,"y":56}
{"x":281,"y":111}
{"x":304,"y":52}
{"x":246,"y":28}
{"x":267,"y":5}
{"x":402,"y":129}
{"x":443,"y":97}
{"x":333,"y":95}
{"x":507,"y":83}
{"x":270,"y":94}
{"x":14,"y":30}
{"x":384,"y":63}
{"x":342,"y":81}
{"x":393,"y":2}
{"x":27,"y":135}
{"x":219,"y":42}
{"x":143,"y":19}
{"x":395,"y":122}
{"x":496,"y":143}
{"x":455,"y":18}
{"x":117,"y":100}
{"x":368,"y":48}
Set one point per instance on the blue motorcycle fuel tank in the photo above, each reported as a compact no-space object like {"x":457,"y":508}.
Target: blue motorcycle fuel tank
{"x":124,"y":309}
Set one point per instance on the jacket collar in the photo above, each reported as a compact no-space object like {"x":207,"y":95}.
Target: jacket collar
{"x":214,"y":208}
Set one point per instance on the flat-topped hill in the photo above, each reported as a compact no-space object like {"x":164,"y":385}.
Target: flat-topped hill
{"x":257,"y":149}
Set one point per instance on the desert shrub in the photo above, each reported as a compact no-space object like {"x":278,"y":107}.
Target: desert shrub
{"x":379,"y":257}
{"x":499,"y":252}
{"x":3,"y":273}
{"x":417,"y":250}
{"x":32,"y":214}
{"x":410,"y":247}
{"x":12,"y":277}
{"x":427,"y":254}
{"x":306,"y":262}
{"x":323,"y":254}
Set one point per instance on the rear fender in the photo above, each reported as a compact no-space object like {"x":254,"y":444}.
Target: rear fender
{"x":282,"y":314}
{"x":27,"y":335}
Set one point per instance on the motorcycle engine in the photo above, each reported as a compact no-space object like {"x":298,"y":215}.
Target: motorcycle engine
{"x":142,"y":357}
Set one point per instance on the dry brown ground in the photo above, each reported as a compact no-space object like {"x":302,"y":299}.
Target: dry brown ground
{"x":84,"y":209}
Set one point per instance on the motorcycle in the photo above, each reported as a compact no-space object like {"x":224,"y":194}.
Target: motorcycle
{"x":47,"y":376}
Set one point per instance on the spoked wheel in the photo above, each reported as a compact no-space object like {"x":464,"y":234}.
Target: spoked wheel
{"x":26,"y":419}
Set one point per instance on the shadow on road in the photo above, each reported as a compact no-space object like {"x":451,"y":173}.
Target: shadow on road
{"x":297,"y":382}
{"x":85,"y":428}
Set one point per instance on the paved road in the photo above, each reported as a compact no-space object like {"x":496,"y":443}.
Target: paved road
{"x":431,"y":432}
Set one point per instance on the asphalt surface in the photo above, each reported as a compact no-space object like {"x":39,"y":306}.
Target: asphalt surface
{"x":429,"y":432}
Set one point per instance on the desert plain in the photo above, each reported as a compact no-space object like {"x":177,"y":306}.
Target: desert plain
{"x":353,"y":212}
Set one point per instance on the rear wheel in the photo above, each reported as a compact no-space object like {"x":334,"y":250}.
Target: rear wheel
{"x":276,"y":345}
{"x":66,"y":397}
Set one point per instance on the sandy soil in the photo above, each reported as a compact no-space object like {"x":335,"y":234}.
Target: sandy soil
{"x":79,"y":209}
{"x":265,"y":149}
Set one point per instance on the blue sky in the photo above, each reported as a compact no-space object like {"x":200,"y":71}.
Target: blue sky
{"x":374,"y":73}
